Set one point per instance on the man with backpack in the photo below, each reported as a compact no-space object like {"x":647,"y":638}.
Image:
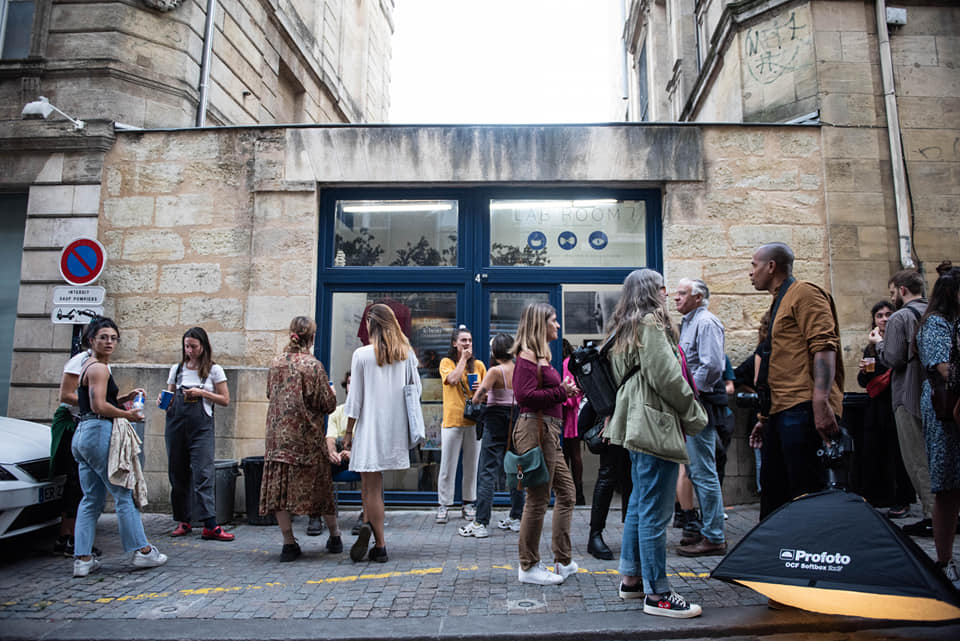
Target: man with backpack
{"x":897,"y":351}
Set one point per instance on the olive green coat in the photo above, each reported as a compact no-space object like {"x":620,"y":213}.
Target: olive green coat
{"x":656,"y":406}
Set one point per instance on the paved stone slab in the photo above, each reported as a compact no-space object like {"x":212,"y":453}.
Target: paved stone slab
{"x":436,"y":584}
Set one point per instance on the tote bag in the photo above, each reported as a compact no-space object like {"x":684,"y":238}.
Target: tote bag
{"x":411,"y":398}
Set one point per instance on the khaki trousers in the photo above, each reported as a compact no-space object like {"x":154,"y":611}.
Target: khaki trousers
{"x":913,"y":450}
{"x":525,"y":438}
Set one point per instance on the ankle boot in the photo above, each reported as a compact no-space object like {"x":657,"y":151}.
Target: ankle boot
{"x":597,"y":547}
{"x":691,"y":528}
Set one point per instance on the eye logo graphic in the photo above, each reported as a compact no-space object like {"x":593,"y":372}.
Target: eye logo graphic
{"x":537,"y":240}
{"x":567,"y":240}
{"x":598,"y":240}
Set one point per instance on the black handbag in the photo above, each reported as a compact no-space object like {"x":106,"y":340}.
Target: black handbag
{"x":593,"y":437}
{"x":473,"y":411}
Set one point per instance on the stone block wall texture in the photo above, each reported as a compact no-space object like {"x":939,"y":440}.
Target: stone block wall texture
{"x":119,"y":60}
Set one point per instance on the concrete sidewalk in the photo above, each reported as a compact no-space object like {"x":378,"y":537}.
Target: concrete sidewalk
{"x":436,"y":585}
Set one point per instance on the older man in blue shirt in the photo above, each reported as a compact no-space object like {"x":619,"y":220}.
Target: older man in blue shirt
{"x":701,"y":338}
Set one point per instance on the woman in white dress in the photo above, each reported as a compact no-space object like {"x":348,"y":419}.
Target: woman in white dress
{"x":377,"y":417}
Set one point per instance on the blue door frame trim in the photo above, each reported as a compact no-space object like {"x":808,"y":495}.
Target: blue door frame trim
{"x":473,"y":278}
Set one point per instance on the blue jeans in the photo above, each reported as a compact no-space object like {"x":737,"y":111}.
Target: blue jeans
{"x":702,"y":470}
{"x":790,"y":465}
{"x":91,"y":449}
{"x":643,"y":551}
{"x":496,"y":424}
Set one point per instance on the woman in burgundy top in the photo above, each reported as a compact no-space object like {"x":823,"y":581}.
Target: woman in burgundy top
{"x":540,"y":393}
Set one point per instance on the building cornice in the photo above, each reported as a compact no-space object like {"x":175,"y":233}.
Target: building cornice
{"x":47,"y":136}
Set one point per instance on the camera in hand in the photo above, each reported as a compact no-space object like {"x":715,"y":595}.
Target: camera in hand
{"x":836,"y":458}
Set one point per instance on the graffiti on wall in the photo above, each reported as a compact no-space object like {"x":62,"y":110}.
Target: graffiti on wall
{"x":774,"y":48}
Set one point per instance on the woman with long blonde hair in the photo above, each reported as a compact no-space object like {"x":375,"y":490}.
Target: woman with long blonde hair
{"x":377,"y":435}
{"x":655,"y":407}
{"x":540,"y":392}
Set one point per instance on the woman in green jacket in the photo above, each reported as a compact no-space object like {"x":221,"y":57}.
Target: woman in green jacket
{"x":655,"y":408}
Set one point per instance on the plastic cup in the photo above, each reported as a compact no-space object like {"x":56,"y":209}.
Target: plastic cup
{"x":869,"y":364}
{"x":165,"y":397}
{"x":473,"y":379}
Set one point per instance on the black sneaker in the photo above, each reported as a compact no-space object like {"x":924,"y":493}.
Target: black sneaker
{"x":334,"y":545}
{"x":290,"y":552}
{"x":359,"y":549}
{"x":920,"y":528}
{"x":63,"y":545}
{"x":630,"y":591}
{"x":671,"y":605}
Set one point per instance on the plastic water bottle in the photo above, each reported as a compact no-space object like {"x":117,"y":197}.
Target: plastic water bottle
{"x":138,"y":404}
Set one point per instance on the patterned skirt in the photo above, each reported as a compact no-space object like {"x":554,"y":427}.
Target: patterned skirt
{"x":297,"y":489}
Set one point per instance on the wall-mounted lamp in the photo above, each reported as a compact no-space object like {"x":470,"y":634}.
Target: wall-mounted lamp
{"x":41,"y":108}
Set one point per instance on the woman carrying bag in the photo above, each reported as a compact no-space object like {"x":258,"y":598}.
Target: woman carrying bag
{"x":540,"y":393}
{"x":655,"y":409}
{"x":196,"y":383}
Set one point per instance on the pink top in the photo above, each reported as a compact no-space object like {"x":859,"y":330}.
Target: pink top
{"x":571,"y":407}
{"x":502,"y":395}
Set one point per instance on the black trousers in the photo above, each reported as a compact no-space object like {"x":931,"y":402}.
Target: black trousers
{"x":613,"y":475}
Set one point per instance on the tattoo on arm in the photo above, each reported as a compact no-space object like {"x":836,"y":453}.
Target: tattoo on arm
{"x":824,"y":370}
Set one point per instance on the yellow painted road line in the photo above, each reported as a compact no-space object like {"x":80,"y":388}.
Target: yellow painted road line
{"x":214,"y":590}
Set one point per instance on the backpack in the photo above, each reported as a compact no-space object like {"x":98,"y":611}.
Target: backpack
{"x":591,"y":367}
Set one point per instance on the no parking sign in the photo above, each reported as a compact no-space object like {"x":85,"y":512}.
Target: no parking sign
{"x":82,"y":261}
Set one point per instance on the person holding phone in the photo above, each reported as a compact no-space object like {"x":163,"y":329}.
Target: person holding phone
{"x":461,"y":374}
{"x":196,"y":383}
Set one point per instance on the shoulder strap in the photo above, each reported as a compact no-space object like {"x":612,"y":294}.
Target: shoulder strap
{"x":916,"y":312}
{"x":176,"y":377}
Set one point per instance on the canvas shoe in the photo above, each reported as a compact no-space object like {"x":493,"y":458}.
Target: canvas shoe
{"x":566,"y":570}
{"x":441,"y":514}
{"x":151,"y":559}
{"x":478,"y":530}
{"x":539,"y":575}
{"x":83,"y":568}
{"x":950,"y":570}
{"x":630,"y":591}
{"x":671,"y":605}
{"x":509,"y":524}
{"x":469,"y":512}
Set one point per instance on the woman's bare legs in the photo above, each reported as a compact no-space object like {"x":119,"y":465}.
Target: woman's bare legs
{"x":286,"y":526}
{"x":371,"y":492}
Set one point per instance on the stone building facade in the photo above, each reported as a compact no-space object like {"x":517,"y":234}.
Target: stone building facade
{"x":821,"y":61}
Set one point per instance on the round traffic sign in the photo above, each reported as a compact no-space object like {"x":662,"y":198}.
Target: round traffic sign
{"x":82,"y":261}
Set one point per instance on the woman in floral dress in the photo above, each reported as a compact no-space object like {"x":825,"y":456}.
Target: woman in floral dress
{"x":942,"y":437}
{"x":296,"y":472}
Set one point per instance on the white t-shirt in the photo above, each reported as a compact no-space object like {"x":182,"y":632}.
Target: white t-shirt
{"x":190,"y":378}
{"x":75,"y":366}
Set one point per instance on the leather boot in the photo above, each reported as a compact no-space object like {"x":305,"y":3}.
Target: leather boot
{"x":691,"y":529}
{"x":597,"y":547}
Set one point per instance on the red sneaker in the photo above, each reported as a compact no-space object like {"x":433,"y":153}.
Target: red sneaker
{"x":182,"y":530}
{"x":216,"y":534}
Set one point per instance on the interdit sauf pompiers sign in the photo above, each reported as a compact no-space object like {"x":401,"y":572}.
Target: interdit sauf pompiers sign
{"x":81,"y":263}
{"x":569,"y":233}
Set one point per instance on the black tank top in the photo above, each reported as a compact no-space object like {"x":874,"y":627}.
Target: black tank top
{"x":83,"y":394}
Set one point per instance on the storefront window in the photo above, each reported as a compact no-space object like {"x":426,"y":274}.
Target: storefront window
{"x":586,"y":311}
{"x":396,"y":233}
{"x":427,"y":318}
{"x":568,"y":233}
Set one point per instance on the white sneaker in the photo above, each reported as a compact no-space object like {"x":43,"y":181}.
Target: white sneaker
{"x":151,"y":559}
{"x":566,"y":570}
{"x":539,"y":575}
{"x":469,"y":512}
{"x":478,"y":530}
{"x":509,"y":524}
{"x":442,"y":514}
{"x":953,"y":574}
{"x":83,"y":568}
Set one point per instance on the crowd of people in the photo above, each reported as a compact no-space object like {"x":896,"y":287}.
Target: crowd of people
{"x":663,"y":445}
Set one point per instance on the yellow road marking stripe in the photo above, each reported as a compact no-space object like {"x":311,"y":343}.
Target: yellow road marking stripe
{"x":332,"y":579}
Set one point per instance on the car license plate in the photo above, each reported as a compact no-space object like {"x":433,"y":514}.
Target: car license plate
{"x":50,"y":493}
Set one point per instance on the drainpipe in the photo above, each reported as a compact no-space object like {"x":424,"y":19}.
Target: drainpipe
{"x":893,"y":134}
{"x":205,"y":63}
{"x":624,"y":67}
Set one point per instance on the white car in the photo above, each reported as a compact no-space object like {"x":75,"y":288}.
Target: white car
{"x":29,"y":498}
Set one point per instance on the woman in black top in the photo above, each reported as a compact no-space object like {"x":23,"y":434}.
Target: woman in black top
{"x":99,"y":404}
